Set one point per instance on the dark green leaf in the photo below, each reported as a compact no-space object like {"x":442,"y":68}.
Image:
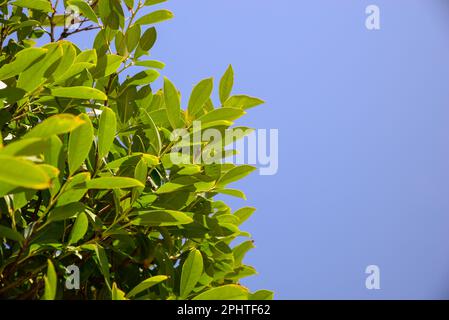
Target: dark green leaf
{"x":67,"y":211}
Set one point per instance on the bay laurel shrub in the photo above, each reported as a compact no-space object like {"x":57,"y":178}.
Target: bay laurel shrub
{"x":91,"y":205}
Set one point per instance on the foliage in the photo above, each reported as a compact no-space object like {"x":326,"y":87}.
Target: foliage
{"x":86,"y":177}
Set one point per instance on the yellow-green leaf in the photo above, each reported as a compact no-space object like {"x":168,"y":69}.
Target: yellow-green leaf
{"x":226,"y":292}
{"x":103,"y":264}
{"x":51,"y":282}
{"x":226,"y":83}
{"x":228,"y":114}
{"x":106,"y":131}
{"x":173,"y":104}
{"x":55,"y":125}
{"x":79,"y":92}
{"x":23,"y":173}
{"x":192,"y":269}
{"x":243,"y":102}
{"x":79,"y":228}
{"x":200,"y":95}
{"x":155,"y":17}
{"x":41,"y":5}
{"x":117,"y":294}
{"x":85,"y":9}
{"x":235,"y":174}
{"x":161,"y":218}
{"x":80,"y":142}
{"x":244,"y":213}
{"x":113,"y":183}
{"x":262,"y":295}
{"x":146,"y":284}
{"x":22,"y":61}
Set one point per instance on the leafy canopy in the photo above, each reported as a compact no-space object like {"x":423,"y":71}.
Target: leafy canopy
{"x":86,"y":179}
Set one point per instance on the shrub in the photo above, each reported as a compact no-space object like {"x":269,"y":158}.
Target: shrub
{"x":88,"y":186}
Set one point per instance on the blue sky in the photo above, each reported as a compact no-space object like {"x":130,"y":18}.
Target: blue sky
{"x":363,"y":119}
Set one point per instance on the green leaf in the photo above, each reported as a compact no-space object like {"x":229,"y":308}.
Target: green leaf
{"x":155,"y":17}
{"x":129,"y":4}
{"x":152,"y":133}
{"x":55,"y":125}
{"x":67,"y":211}
{"x":9,"y":233}
{"x":106,"y":131}
{"x":140,"y":174}
{"x":85,"y":9}
{"x":232,"y":192}
{"x":70,"y":194}
{"x":243,"y":102}
{"x":86,"y":93}
{"x":153,"y":2}
{"x":103,"y":264}
{"x":132,"y":37}
{"x":161,"y":218}
{"x":79,"y":228}
{"x":143,"y":78}
{"x":23,"y":173}
{"x":189,"y":169}
{"x":113,"y":183}
{"x":117,"y":294}
{"x":80,"y":143}
{"x":228,"y":114}
{"x":244,"y":213}
{"x":150,"y":160}
{"x":146,"y":284}
{"x":175,"y":185}
{"x":66,"y":61}
{"x":148,"y":39}
{"x":192,"y":269}
{"x":37,"y":74}
{"x":106,"y":65}
{"x":226,"y":292}
{"x":51,"y":282}
{"x":235,"y":174}
{"x":150,"y":64}
{"x":240,"y":251}
{"x":27,"y":147}
{"x":226,"y":84}
{"x":52,"y":153}
{"x":173,"y":104}
{"x":74,"y":70}
{"x":22,"y":61}
{"x":262,"y":295}
{"x":200,"y":95}
{"x":87,"y":56}
{"x":41,"y":5}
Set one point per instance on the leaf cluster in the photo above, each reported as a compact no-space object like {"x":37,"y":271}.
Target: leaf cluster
{"x":86,"y":177}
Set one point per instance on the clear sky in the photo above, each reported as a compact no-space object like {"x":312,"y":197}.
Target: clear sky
{"x":363,"y":119}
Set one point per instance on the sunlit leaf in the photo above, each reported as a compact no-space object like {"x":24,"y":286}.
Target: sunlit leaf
{"x":226,"y":292}
{"x":146,"y":284}
{"x":191,"y":272}
{"x":155,"y":17}
{"x":80,"y":143}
